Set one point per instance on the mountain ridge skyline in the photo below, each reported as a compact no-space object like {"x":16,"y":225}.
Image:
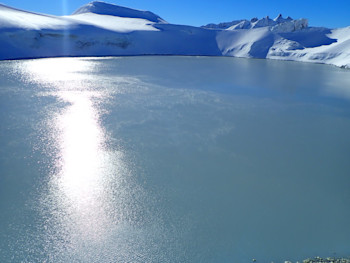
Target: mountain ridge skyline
{"x":198,"y":13}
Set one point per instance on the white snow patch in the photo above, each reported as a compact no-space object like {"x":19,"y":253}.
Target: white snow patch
{"x":103,"y":8}
{"x":113,"y":23}
{"x":15,"y":19}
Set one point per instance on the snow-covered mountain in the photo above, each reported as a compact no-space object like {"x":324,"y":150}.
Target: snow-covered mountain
{"x":102,"y":29}
{"x":103,"y":8}
{"x":279,"y":24}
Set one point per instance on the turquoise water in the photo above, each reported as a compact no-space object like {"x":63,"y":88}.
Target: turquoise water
{"x":173,"y":159}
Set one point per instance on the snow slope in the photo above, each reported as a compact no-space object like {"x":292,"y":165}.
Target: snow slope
{"x":113,"y":23}
{"x":336,"y":53}
{"x":89,"y":33}
{"x":102,"y":8}
{"x":13,"y":19}
{"x":100,"y":29}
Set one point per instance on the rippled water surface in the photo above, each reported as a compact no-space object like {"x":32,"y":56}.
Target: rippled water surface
{"x":173,"y":159}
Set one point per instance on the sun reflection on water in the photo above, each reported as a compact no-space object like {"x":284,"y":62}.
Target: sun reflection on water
{"x":82,"y":199}
{"x":81,"y":162}
{"x":81,"y":141}
{"x":53,"y":71}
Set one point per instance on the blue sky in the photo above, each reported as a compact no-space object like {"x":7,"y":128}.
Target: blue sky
{"x":328,"y":13}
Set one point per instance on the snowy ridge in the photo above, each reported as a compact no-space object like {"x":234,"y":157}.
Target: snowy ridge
{"x":103,"y":8}
{"x":101,"y":29}
{"x":279,"y":24}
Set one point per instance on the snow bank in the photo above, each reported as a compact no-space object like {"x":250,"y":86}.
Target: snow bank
{"x":14,"y":19}
{"x":101,"y":29}
{"x":250,"y":43}
{"x":113,"y":23}
{"x":333,"y":47}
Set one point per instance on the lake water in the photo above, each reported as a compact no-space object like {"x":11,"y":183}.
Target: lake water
{"x":173,"y":159}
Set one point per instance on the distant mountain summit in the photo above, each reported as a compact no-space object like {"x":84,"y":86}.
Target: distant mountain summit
{"x":102,"y":8}
{"x":279,"y":24}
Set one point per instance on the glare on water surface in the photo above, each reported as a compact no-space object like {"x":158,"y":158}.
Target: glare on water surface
{"x":62,"y":69}
{"x":82,"y":175}
{"x":81,"y":162}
